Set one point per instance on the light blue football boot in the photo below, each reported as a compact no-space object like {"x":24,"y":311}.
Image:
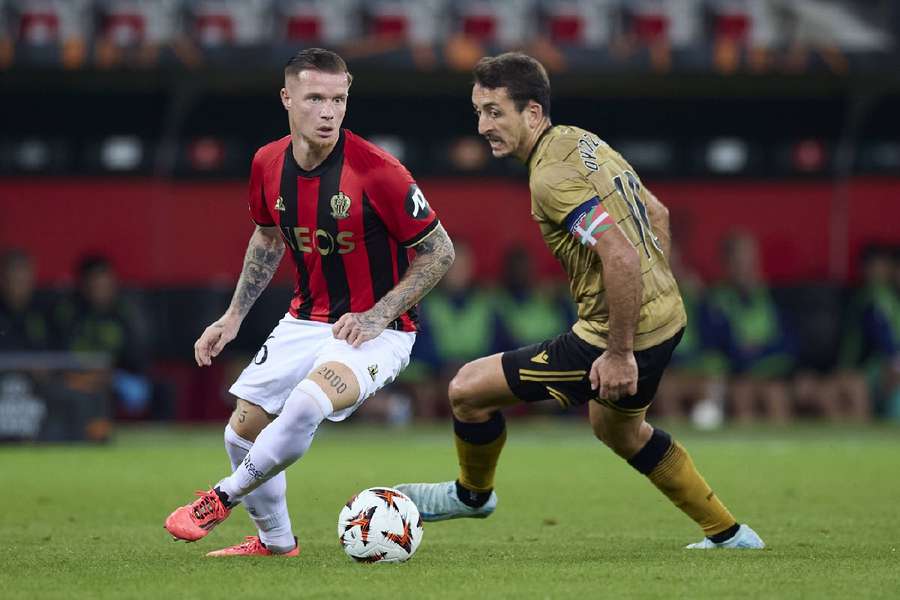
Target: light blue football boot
{"x":439,"y":502}
{"x":745,"y":538}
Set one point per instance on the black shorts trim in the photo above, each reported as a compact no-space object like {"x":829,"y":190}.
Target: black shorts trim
{"x":558,"y":368}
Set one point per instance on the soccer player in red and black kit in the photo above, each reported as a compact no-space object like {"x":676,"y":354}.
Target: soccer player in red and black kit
{"x":348,"y":213}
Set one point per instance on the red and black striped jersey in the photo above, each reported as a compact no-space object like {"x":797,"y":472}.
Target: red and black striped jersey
{"x":348,"y":224}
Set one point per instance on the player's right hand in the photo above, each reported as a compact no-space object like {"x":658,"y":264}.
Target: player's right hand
{"x":213,"y":340}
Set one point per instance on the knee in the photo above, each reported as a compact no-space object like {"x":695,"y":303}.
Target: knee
{"x":306,"y":407}
{"x":248,"y":420}
{"x":461,"y":393}
{"x":625,"y":442}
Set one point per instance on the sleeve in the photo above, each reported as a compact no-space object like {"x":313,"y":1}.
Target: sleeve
{"x":401,"y":204}
{"x":568,"y":198}
{"x":259,"y":211}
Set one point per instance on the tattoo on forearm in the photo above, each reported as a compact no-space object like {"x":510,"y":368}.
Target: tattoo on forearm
{"x":434,"y":255}
{"x":260,"y":263}
{"x":333,"y":379}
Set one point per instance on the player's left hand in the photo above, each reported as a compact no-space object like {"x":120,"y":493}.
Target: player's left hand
{"x":357,"y":328}
{"x":615,"y":375}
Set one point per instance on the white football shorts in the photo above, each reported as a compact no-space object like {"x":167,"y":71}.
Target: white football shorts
{"x":296,"y":347}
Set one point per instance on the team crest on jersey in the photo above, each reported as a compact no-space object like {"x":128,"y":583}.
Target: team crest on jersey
{"x":340,"y":206}
{"x":279,"y":204}
{"x":373,"y":371}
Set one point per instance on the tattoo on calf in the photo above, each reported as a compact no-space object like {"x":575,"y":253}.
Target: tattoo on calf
{"x":333,"y":379}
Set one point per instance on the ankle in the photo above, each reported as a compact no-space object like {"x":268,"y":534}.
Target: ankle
{"x":724,"y":536}
{"x":471,"y":497}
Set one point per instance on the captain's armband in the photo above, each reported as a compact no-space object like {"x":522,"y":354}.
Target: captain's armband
{"x":589,"y":221}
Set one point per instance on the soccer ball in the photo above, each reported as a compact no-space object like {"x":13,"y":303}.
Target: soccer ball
{"x":380,"y":524}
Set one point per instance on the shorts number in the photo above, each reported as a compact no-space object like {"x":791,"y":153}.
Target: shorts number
{"x":631,"y":195}
{"x":263,"y":353}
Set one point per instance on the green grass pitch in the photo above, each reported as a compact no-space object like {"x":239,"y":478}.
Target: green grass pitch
{"x":573,"y":520}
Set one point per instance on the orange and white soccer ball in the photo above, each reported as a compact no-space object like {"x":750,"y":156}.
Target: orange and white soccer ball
{"x":380,"y":524}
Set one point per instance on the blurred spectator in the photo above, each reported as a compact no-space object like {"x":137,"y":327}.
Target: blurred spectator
{"x":695,"y":379}
{"x":528,"y":312}
{"x":23,"y":326}
{"x":459,"y":324}
{"x":743,"y":324}
{"x":96,"y":319}
{"x":872,"y":333}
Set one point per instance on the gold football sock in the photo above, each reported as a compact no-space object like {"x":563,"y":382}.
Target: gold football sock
{"x":478,"y":447}
{"x":668,"y":465}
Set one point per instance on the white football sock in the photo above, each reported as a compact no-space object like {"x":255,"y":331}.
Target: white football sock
{"x":281,"y":442}
{"x":267,"y":504}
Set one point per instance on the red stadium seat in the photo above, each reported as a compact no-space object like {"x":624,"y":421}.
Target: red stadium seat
{"x":39,"y":27}
{"x":304,"y":27}
{"x":566,"y":28}
{"x":390,"y":25}
{"x":124,"y":28}
{"x":480,"y":26}
{"x":650,"y":27}
{"x":734,"y":26}
{"x":214,"y":29}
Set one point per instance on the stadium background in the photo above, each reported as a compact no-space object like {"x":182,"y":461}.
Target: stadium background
{"x":128,"y":126}
{"x":126,"y":133}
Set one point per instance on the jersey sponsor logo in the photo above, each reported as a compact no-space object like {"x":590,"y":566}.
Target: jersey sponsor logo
{"x":303,"y":239}
{"x":340,"y":205}
{"x":279,"y":204}
{"x":591,"y":224}
{"x":373,"y":371}
{"x":416,"y":204}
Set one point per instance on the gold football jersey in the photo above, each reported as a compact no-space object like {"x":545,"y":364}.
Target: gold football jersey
{"x":570,"y":169}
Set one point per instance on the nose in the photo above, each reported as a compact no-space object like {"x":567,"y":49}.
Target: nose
{"x":327,"y":112}
{"x":483,"y":125}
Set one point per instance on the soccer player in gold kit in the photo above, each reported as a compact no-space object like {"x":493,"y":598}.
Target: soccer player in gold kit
{"x":612,"y":237}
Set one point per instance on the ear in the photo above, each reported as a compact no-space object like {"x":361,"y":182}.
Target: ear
{"x":285,"y":98}
{"x":535,"y":113}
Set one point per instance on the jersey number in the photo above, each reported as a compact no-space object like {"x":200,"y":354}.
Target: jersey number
{"x":630,"y":193}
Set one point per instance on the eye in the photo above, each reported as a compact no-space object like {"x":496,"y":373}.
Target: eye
{"x":494,"y":113}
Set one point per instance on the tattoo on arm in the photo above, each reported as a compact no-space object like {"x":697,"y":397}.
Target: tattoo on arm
{"x":264,"y":253}
{"x":434,"y":255}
